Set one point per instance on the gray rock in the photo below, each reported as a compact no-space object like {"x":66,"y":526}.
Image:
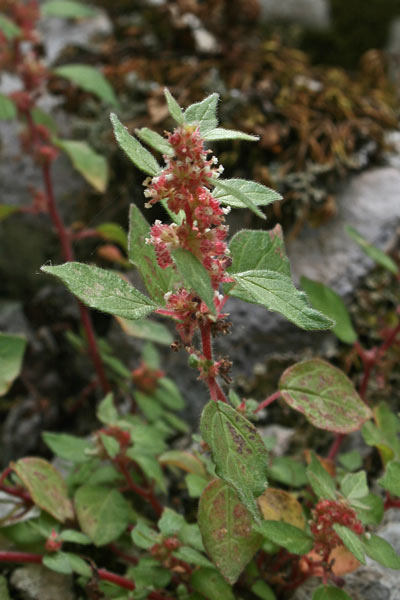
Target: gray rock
{"x":35,"y":582}
{"x":370,"y":202}
{"x":312,"y":13}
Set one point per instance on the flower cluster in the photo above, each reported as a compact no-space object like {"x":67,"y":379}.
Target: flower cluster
{"x":326,"y":514}
{"x":186,"y":184}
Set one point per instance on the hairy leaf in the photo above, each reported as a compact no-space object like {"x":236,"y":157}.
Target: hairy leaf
{"x":320,"y":480}
{"x":104,"y":290}
{"x":155,"y":140}
{"x":158,"y":281}
{"x":195,"y":275}
{"x":226,"y":529}
{"x":140,"y":157}
{"x":203,"y":114}
{"x":290,"y":537}
{"x":352,"y":542}
{"x":174,"y":109}
{"x":91,"y":165}
{"x":45,"y":486}
{"x":276,"y":292}
{"x":68,"y":9}
{"x":257,"y":250}
{"x":325,"y":395}
{"x":90,"y":80}
{"x":380,"y":550}
{"x":238,"y":451}
{"x":214,"y":135}
{"x":103,"y":513}
{"x":210,"y":584}
{"x":324,"y":299}
{"x":354,"y":485}
{"x":12,"y":348}
{"x":232,"y":190}
{"x":8,"y":110}
{"x":255,"y":193}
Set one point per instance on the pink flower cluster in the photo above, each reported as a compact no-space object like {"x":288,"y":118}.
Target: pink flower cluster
{"x":325,"y":514}
{"x":185,"y":184}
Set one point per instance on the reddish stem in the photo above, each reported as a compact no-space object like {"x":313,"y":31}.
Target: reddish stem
{"x":268,"y":401}
{"x":215,"y":391}
{"x":69,"y":256}
{"x":334,"y":449}
{"x":145,"y":494}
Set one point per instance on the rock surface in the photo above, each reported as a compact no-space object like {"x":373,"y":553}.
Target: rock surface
{"x":35,"y":582}
{"x":312,"y":13}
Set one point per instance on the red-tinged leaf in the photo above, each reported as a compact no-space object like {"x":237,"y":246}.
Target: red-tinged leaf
{"x":325,"y":396}
{"x":46,"y":486}
{"x":184,"y":460}
{"x":226,"y":529}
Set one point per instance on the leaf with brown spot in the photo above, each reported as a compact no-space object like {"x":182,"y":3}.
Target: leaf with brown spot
{"x":226,"y":529}
{"x":325,"y":396}
{"x":238,"y":451}
{"x":278,"y":505}
{"x":46,"y":487}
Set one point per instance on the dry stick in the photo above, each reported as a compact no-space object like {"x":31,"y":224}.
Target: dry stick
{"x":69,"y":256}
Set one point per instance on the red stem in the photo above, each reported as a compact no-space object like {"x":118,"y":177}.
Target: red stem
{"x":334,"y":449}
{"x":215,"y":391}
{"x":68,"y":254}
{"x":268,"y":401}
{"x":145,"y":494}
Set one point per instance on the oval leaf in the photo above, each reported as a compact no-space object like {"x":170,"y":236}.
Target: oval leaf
{"x":140,"y":157}
{"x":257,"y":249}
{"x":380,"y":550}
{"x":68,"y":9}
{"x":279,"y":505}
{"x":255,"y":192}
{"x":92,"y":166}
{"x":90,"y":80}
{"x":47,"y":488}
{"x":12,"y":348}
{"x":103,"y":513}
{"x":324,"y":395}
{"x":328,"y":592}
{"x":238,"y":452}
{"x":283,"y":534}
{"x":232,"y":190}
{"x":103,"y":290}
{"x":226,"y":529}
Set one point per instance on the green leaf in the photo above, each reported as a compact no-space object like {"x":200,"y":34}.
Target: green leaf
{"x":150,"y":467}
{"x":40,"y":117}
{"x":106,"y":411}
{"x":391,"y":479}
{"x":288,"y":536}
{"x":174,"y":109}
{"x":140,"y":157}
{"x":111,"y":445}
{"x":102,"y":513}
{"x":320,"y":480}
{"x":46,"y":487}
{"x":90,"y":80}
{"x":288,"y":471}
{"x":253,"y":192}
{"x":195,"y":484}
{"x":276,"y":292}
{"x":195,"y":276}
{"x":148,"y":575}
{"x":68,"y":447}
{"x":68,"y":9}
{"x":92,"y":166}
{"x":257,"y":250}
{"x":352,"y":542}
{"x":170,"y":522}
{"x":104,"y":290}
{"x":144,"y":537}
{"x":210,"y":584}
{"x":8,"y":110}
{"x":147,"y":330}
{"x":262,"y":590}
{"x":155,"y":141}
{"x":351,"y":460}
{"x":7,"y":210}
{"x":4,"y":595}
{"x":114,"y":233}
{"x":203,"y":114}
{"x":74,"y":537}
{"x":325,"y":395}
{"x":226,"y":529}
{"x":168,"y":394}
{"x":158,"y":281}
{"x":67,"y":563}
{"x":328,"y":592}
{"x":9,"y":28}
{"x":377,"y":255}
{"x":238,"y":452}
{"x":354,"y":485}
{"x":324,"y":299}
{"x":217,"y":134}
{"x":192,"y":556}
{"x":12,"y":348}
{"x":190,"y":536}
{"x":380,"y":550}
{"x":231,"y":189}
{"x":372,"y":514}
